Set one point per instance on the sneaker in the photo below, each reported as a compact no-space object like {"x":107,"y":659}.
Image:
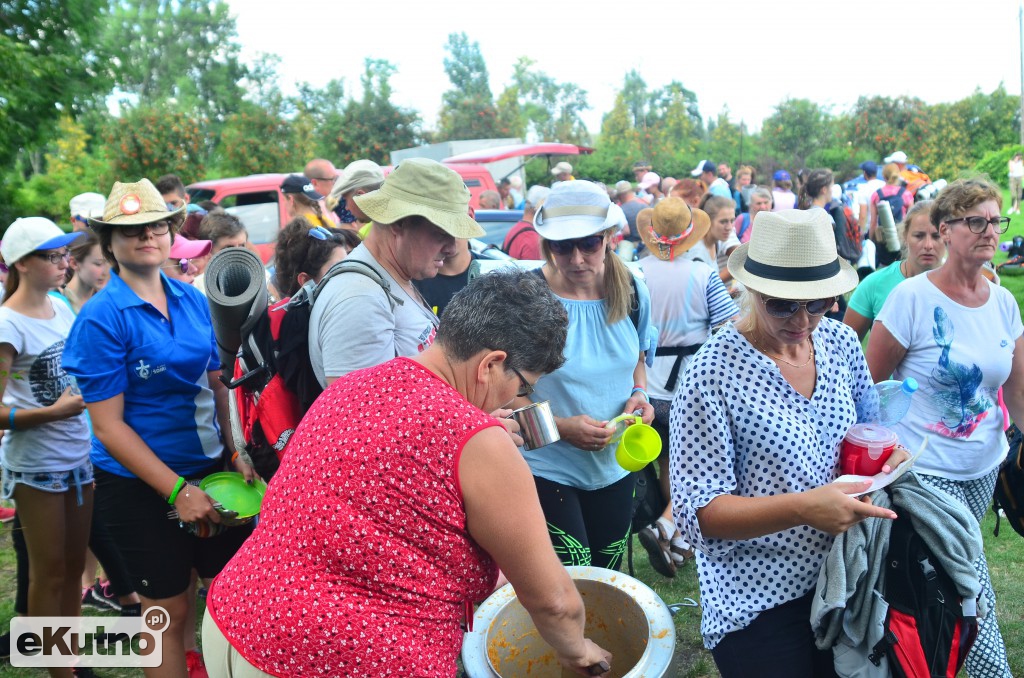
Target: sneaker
{"x":107,"y":595}
{"x":195,"y":665}
{"x":94,"y":597}
{"x":6,"y":514}
{"x":657,"y":544}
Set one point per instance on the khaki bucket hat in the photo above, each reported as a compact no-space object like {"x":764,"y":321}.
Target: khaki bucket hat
{"x":135,"y":203}
{"x":423,"y":188}
{"x":792,"y":255}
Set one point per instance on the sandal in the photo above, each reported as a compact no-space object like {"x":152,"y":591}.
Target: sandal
{"x":657,"y":544}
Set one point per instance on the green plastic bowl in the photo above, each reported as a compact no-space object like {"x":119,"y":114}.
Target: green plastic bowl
{"x":231,"y":491}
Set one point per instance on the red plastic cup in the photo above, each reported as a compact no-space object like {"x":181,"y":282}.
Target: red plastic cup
{"x":865,"y":449}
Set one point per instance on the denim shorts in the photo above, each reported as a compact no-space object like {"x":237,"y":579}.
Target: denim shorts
{"x":46,"y":481}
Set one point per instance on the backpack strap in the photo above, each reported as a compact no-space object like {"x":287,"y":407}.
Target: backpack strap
{"x":362,"y":268}
{"x":744,"y":225}
{"x":508,"y":245}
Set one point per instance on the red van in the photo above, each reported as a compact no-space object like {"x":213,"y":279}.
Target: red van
{"x":256,"y":199}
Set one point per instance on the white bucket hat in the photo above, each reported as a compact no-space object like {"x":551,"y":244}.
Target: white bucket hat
{"x":576,"y":209}
{"x":792,"y":255}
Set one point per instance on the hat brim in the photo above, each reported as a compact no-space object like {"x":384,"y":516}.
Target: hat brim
{"x":569,"y":227}
{"x":701,"y":226}
{"x":183,"y":248}
{"x":388,"y":209}
{"x":840,"y":283}
{"x":59,"y":241}
{"x":140,"y":218}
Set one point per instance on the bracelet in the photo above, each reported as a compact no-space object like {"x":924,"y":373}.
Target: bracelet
{"x":234,"y":457}
{"x":177,"y":488}
{"x":640,"y":389}
{"x":10,"y":420}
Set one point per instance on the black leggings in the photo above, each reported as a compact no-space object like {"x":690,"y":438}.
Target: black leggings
{"x":103,"y":547}
{"x":779,"y":643}
{"x":588,"y":527}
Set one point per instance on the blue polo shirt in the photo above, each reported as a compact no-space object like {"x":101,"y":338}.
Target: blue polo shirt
{"x":123,"y":345}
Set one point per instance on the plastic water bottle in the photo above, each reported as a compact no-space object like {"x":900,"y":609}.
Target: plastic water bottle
{"x":894,"y":399}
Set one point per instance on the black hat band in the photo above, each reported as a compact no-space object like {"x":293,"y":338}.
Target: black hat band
{"x":792,"y":273}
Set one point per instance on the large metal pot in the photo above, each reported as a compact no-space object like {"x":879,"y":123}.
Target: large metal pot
{"x":624,"y":616}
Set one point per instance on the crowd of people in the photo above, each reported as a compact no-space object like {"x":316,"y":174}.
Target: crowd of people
{"x":712,"y":307}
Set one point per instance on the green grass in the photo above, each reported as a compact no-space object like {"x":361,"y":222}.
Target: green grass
{"x":1005,"y":559}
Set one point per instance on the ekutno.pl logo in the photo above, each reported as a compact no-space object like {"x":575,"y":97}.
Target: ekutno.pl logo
{"x":89,"y":641}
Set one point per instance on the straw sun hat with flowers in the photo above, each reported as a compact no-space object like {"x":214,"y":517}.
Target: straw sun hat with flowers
{"x":133,"y":204}
{"x":673,"y":228}
{"x":792,"y":255}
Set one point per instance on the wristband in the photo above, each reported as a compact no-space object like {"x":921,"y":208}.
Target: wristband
{"x":10,"y":420}
{"x":640,"y":389}
{"x":177,"y":488}
{"x":234,"y":457}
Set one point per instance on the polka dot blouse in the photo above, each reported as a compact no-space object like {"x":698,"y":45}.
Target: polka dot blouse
{"x":361,"y":564}
{"x":738,"y":427}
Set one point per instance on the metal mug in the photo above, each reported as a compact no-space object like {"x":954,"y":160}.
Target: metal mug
{"x":536,"y":425}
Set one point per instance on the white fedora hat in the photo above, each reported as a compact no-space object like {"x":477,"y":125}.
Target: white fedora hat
{"x":792,"y":255}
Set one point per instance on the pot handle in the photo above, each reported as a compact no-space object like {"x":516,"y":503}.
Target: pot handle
{"x":599,"y":668}
{"x":687,"y":602}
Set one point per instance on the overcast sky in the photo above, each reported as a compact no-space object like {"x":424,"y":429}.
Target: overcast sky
{"x":747,"y":55}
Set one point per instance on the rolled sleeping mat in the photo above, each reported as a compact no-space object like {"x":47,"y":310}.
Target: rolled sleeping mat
{"x":236,"y":289}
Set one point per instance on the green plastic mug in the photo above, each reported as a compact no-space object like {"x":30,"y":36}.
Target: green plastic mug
{"x":639,"y":444}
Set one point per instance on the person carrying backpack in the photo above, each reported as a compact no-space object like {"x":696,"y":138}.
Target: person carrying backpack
{"x":900,"y":200}
{"x":417,"y":214}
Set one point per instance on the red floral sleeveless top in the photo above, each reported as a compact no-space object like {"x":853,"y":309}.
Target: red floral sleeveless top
{"x":361,"y":564}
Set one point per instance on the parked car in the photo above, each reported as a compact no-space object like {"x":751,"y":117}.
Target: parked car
{"x":255,"y":200}
{"x":496,"y":223}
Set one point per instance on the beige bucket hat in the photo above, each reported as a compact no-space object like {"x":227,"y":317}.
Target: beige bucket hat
{"x":135,"y":203}
{"x":792,"y":255}
{"x":424,"y":188}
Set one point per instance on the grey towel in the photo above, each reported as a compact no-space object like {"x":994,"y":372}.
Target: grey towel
{"x":846,"y":602}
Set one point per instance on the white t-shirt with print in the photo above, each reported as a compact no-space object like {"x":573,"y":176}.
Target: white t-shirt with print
{"x":960,"y":356}
{"x":37,"y":379}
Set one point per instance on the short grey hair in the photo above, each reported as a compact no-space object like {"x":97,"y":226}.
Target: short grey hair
{"x":509,"y":310}
{"x":764,"y":193}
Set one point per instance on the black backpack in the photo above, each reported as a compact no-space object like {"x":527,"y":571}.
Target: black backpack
{"x":1009,"y":493}
{"x":895,"y":202}
{"x":929,"y":629}
{"x":274,"y":383}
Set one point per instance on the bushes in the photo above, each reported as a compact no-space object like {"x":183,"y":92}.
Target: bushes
{"x":994,"y":164}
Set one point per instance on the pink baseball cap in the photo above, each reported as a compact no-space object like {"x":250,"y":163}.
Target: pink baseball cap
{"x":183,"y":248}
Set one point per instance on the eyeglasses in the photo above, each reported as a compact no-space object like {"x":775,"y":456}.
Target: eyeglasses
{"x":981,"y":224}
{"x":586,"y":245}
{"x":53,"y":257}
{"x":525,"y":388}
{"x":183,"y":265}
{"x":156,"y":228}
{"x":784,"y":308}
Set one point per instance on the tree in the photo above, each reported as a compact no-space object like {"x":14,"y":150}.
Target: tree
{"x":372,"y":127}
{"x":884,"y":125}
{"x":179,"y":50}
{"x":156,"y":139}
{"x":535,"y":105}
{"x":49,"y":61}
{"x":256,"y":140}
{"x":796,"y":129}
{"x":467,"y":109}
{"x":726,"y":140}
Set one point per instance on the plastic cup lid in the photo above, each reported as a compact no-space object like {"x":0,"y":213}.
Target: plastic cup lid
{"x":871,"y":435}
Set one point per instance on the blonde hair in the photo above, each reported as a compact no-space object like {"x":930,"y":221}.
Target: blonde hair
{"x":747,"y":317}
{"x":618,"y":281}
{"x":891,"y":173}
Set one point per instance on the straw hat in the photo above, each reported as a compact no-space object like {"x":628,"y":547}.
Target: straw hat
{"x":674,"y":228}
{"x":792,"y":255}
{"x":423,"y":188}
{"x":135,"y":203}
{"x":576,"y":209}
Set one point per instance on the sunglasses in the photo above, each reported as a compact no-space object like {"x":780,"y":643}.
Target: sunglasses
{"x":157,"y":228}
{"x":784,"y":308}
{"x":586,"y":245}
{"x":321,"y":233}
{"x":525,"y":388}
{"x":183,"y":265}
